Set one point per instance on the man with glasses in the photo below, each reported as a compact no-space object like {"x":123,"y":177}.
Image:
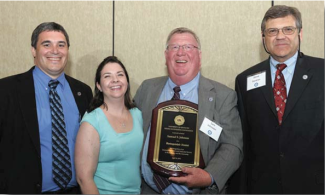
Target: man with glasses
{"x":216,"y":104}
{"x":281,"y":104}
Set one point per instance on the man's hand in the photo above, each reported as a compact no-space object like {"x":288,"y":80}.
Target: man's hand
{"x":195,"y":177}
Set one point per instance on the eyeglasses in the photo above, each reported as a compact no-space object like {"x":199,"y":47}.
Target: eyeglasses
{"x":186,"y":47}
{"x":288,"y":30}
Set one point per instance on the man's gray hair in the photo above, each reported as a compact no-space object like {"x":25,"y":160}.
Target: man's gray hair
{"x":181,"y":30}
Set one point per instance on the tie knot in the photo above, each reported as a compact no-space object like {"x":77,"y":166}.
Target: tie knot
{"x":177,"y":89}
{"x":53,"y":84}
{"x":281,"y":67}
{"x":176,"y":96}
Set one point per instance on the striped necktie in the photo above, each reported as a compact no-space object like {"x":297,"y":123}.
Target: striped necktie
{"x":176,"y":96}
{"x":60,"y":150}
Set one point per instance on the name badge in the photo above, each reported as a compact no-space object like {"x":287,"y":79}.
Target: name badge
{"x":211,"y":129}
{"x":256,"y":80}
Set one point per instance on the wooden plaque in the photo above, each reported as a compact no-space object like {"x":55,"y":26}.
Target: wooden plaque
{"x":174,"y":140}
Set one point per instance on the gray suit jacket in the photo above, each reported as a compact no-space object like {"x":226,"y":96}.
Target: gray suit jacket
{"x":219,"y":104}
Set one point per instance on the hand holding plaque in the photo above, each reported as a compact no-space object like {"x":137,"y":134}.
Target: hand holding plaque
{"x":174,"y":142}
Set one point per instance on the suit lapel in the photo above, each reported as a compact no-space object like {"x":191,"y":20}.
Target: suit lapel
{"x":298,"y":85}
{"x":27,"y":103}
{"x":76,"y":94}
{"x":207,"y":98}
{"x":158,"y":87}
{"x":268,"y":89}
{"x":154,"y":95}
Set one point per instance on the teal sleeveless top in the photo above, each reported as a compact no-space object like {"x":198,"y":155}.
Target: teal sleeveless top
{"x":118,"y":169}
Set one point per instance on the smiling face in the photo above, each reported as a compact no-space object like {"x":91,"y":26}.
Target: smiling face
{"x":113,"y":81}
{"x":282,"y":47}
{"x":51,"y":53}
{"x":182,"y":65}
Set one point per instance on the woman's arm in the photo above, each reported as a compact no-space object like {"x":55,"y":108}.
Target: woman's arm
{"x":86,"y":158}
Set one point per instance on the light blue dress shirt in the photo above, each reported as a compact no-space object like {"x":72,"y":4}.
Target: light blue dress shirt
{"x":188,"y":92}
{"x":287,"y":72}
{"x":71,"y":118}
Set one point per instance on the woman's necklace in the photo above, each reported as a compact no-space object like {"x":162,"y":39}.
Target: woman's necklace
{"x":123,"y":121}
{"x":119,"y":121}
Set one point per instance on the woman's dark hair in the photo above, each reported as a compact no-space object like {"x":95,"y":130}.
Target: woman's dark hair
{"x":98,"y":98}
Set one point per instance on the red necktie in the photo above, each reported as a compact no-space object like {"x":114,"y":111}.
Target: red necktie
{"x":280,"y":91}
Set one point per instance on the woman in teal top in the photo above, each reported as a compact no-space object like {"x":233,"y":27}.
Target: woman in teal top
{"x":109,"y":141}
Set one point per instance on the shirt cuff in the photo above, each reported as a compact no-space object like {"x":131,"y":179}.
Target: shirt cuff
{"x":213,"y":185}
{"x":212,"y":180}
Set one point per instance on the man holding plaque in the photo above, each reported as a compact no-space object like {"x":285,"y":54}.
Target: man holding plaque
{"x":196,"y":137}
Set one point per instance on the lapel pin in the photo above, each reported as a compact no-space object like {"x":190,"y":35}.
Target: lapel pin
{"x":305,"y":77}
{"x":79,"y":93}
{"x":210,"y":99}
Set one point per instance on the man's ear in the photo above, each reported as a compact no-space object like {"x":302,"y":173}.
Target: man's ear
{"x":200,"y":56}
{"x":300,"y":34}
{"x":166,"y":57}
{"x":33,"y":52}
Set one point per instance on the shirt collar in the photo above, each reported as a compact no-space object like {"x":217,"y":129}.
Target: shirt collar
{"x":291,"y":62}
{"x":185,"y":89}
{"x":45,"y":79}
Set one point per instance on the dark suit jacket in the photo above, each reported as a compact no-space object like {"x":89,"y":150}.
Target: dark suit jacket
{"x":216,"y":102}
{"x":288,"y":158}
{"x":20,"y":156}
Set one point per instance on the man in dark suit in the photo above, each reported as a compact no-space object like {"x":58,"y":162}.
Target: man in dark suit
{"x":281,"y":104}
{"x":217,"y":104}
{"x":29,"y":163}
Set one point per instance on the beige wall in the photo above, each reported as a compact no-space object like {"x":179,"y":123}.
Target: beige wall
{"x":229,"y":32}
{"x":89,"y":25}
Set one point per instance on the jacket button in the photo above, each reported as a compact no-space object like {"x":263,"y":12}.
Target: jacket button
{"x":281,"y":154}
{"x":38,"y":185}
